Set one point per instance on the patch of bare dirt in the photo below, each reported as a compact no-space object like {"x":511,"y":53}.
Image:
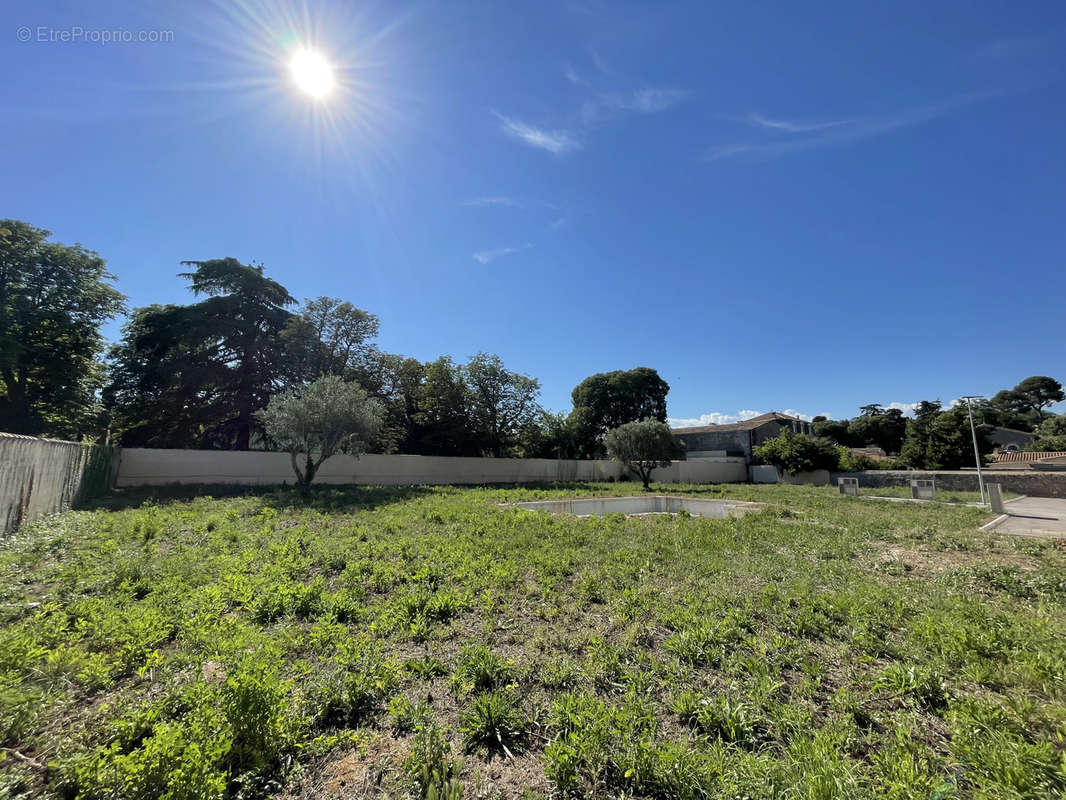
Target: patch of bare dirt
{"x":925,"y":562}
{"x":356,"y":774}
{"x":501,"y":778}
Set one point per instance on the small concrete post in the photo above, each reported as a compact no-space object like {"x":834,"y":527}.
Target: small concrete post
{"x":923,"y":489}
{"x":995,"y":498}
{"x":849,"y":486}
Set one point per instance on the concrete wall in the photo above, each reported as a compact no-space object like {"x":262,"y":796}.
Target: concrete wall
{"x":816,"y":477}
{"x":142,"y":466}
{"x":43,"y":476}
{"x":1034,"y":484}
{"x":767,"y":473}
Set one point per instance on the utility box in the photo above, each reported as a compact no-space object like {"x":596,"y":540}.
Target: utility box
{"x":995,"y":498}
{"x":923,"y":488}
{"x":849,"y":486}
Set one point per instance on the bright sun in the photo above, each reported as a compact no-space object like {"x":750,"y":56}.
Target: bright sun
{"x":311,"y":73}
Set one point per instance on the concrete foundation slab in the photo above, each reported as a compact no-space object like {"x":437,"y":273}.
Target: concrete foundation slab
{"x":648,"y":504}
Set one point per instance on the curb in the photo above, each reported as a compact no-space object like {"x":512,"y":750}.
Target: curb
{"x":991,"y":526}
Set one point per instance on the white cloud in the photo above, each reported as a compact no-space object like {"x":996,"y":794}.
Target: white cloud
{"x":714,"y":418}
{"x":839,"y":132}
{"x":492,"y":201}
{"x":906,"y":408}
{"x":487,"y":256}
{"x":718,"y":418}
{"x":554,"y":141}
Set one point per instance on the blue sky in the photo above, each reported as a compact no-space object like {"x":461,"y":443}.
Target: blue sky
{"x":778,"y":206}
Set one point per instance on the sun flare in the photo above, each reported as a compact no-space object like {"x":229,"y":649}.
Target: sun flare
{"x":311,"y":73}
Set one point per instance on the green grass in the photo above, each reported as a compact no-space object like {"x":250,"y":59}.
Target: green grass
{"x":942,"y":495}
{"x":425,"y":643}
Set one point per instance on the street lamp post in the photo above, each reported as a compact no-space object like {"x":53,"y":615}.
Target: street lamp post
{"x":976,"y":452}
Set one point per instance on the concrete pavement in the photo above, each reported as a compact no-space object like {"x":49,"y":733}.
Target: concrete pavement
{"x":1033,"y":516}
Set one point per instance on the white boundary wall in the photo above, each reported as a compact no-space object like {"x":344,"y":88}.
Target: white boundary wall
{"x":150,"y":467}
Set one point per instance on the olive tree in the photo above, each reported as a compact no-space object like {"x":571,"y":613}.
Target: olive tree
{"x":320,"y":419}
{"x":643,"y":446}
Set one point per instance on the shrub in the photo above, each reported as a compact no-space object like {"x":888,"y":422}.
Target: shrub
{"x":798,"y":452}
{"x":851,"y":461}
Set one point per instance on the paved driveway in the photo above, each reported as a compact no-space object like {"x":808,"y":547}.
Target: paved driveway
{"x":1034,"y":516}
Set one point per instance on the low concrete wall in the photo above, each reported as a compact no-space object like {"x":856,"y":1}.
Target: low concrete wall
{"x":1034,"y":484}
{"x":816,"y":477}
{"x":767,"y":473}
{"x":644,"y":504}
{"x":43,"y":476}
{"x":142,"y":466}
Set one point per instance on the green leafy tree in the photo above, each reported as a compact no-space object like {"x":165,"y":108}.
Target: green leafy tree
{"x":398,"y":383}
{"x":315,"y":422}
{"x":951,"y":441}
{"x":938,"y":439}
{"x":1051,"y":435}
{"x":444,"y":414}
{"x":548,"y":435}
{"x":501,"y":401}
{"x":798,"y":452}
{"x":837,"y":430}
{"x":53,"y":300}
{"x":886,"y":429}
{"x":608,"y":400}
{"x":916,"y":440}
{"x":166,"y":381}
{"x":194,"y":375}
{"x":1029,"y":398}
{"x":643,"y":446}
{"x":329,"y":336}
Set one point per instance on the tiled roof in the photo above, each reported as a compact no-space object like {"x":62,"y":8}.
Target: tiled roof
{"x":1026,"y":456}
{"x":743,"y":425}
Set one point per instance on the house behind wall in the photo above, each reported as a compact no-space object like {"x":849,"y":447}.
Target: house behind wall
{"x":737,"y":438}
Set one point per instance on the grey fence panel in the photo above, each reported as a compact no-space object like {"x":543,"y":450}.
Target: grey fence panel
{"x":43,"y":476}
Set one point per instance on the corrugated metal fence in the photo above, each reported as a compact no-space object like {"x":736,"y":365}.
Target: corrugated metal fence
{"x":43,"y":476}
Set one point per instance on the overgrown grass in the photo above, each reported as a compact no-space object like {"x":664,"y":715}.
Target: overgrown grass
{"x":942,"y":495}
{"x":435,"y":645}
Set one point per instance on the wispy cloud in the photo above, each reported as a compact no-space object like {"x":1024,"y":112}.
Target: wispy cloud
{"x":576,"y":78}
{"x":790,"y":126}
{"x":502,"y":200}
{"x":488,"y":256}
{"x":839,"y":132}
{"x":554,"y":141}
{"x":642,"y":101}
{"x":648,"y":101}
{"x":718,"y":418}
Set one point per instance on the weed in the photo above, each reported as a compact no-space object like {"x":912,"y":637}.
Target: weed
{"x":493,"y":720}
{"x":479,"y":670}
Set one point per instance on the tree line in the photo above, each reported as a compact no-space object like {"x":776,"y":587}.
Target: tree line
{"x":198,"y":374}
{"x":936,"y":437}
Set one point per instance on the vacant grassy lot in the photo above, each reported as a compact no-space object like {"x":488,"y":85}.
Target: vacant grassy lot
{"x":424,"y":643}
